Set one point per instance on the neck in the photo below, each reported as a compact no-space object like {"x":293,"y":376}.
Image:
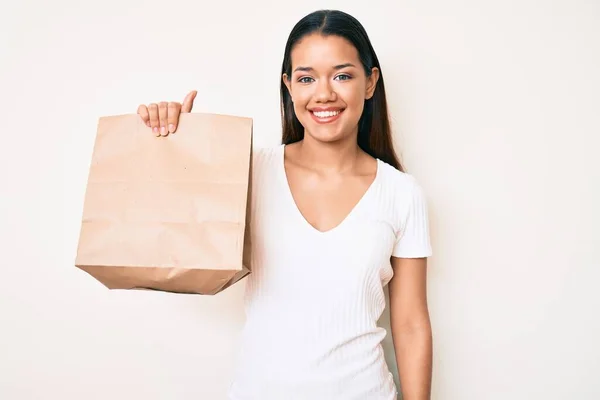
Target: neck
{"x":339,"y":156}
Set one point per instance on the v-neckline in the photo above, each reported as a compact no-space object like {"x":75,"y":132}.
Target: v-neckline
{"x":298,"y":212}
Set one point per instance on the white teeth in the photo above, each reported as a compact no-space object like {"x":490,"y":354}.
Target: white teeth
{"x":326,"y":114}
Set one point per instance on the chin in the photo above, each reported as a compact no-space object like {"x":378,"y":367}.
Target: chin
{"x":326,"y":133}
{"x":325,"y":137}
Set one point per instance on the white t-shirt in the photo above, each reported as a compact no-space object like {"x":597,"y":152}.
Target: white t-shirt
{"x":313,"y":298}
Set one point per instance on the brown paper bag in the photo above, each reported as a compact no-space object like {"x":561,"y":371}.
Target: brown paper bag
{"x":168,"y":213}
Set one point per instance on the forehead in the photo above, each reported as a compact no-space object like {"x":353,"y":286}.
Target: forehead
{"x":316,"y":51}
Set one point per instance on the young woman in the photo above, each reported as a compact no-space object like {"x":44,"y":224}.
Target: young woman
{"x":334,"y":219}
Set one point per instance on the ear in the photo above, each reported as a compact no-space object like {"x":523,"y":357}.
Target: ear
{"x":288,"y":84}
{"x":372,"y":83}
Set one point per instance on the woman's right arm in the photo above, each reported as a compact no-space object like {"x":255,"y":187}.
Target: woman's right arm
{"x":163,"y":117}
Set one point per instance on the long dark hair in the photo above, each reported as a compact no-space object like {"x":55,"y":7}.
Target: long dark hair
{"x":374,"y":132}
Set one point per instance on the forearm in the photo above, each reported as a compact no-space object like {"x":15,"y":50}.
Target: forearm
{"x":413,"y":348}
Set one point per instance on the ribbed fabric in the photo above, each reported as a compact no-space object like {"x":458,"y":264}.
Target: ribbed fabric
{"x":313,"y":298}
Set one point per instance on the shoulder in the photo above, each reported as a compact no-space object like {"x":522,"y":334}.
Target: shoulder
{"x":266,"y":160}
{"x":407,"y":212}
{"x":402,"y":193}
{"x":269,"y":154}
{"x":398,"y":183}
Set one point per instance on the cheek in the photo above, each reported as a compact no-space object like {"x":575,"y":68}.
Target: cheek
{"x":354,"y":99}
{"x":353,"y":96}
{"x":301,"y":98}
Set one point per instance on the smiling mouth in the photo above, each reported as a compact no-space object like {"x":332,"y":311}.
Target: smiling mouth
{"x":326,"y":116}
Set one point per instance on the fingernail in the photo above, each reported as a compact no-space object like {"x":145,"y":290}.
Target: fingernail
{"x":155,"y":130}
{"x":148,"y":123}
{"x":171,"y":128}
{"x":163,"y":131}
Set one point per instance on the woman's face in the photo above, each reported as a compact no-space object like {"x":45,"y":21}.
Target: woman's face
{"x":328,"y":86}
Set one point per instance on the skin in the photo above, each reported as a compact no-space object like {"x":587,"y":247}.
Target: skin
{"x":328,"y":174}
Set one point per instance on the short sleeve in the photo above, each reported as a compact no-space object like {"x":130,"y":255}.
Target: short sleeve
{"x":412,"y":238}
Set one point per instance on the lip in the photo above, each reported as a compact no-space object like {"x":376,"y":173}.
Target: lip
{"x":326,"y":109}
{"x":327,"y":120}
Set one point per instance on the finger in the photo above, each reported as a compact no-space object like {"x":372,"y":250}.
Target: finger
{"x":162,"y":116}
{"x":143,"y":113}
{"x":154,"y":122}
{"x":173,"y":116}
{"x":188,"y":102}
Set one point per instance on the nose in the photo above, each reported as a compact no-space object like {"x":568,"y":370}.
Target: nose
{"x":324,"y":92}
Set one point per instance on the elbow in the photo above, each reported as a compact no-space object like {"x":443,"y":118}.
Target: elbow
{"x":418,"y":323}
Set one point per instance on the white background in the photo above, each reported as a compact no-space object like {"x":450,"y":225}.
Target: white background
{"x":496,"y":111}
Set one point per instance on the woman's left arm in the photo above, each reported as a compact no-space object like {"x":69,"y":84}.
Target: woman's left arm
{"x":411,"y":327}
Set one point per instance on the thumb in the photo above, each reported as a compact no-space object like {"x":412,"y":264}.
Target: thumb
{"x":188,"y":102}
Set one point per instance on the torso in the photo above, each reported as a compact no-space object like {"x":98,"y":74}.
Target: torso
{"x":315,"y":293}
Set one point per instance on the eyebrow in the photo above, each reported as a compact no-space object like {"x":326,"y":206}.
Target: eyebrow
{"x":337,"y":67}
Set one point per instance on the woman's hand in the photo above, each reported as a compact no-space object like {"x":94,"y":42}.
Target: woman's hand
{"x":163,"y":117}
